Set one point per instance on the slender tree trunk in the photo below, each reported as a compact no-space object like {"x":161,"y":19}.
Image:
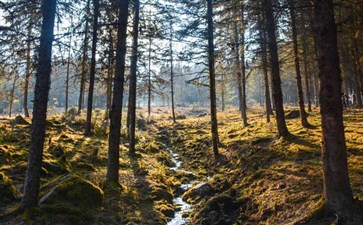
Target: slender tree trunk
{"x":223,"y":95}
{"x":300,"y":94}
{"x":212,"y":85}
{"x":96,"y":4}
{"x":109,"y":73}
{"x":42,"y":85}
{"x":263,"y":38}
{"x":275,"y":71}
{"x":149,"y":82}
{"x":27,"y":71}
{"x":237,"y":66}
{"x":243,"y":64}
{"x":172,"y":72}
{"x":358,"y":75}
{"x":133,"y":78}
{"x":266,"y":80}
{"x":306,"y":71}
{"x":12,"y":94}
{"x":84,"y":61}
{"x":68,"y":70}
{"x":118,"y":89}
{"x":337,"y":191}
{"x":315,"y":78}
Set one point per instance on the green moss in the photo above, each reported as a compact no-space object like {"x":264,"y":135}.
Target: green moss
{"x":75,"y":191}
{"x":7,"y":189}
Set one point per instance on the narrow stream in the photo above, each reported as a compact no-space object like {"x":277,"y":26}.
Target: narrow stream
{"x":178,"y":201}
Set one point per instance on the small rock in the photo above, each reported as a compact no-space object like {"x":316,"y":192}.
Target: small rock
{"x":201,"y":190}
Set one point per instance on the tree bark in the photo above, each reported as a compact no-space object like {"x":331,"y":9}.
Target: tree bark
{"x":300,"y":94}
{"x":306,"y":70}
{"x":42,"y":85}
{"x":12,"y":93}
{"x":275,"y":71}
{"x":263,"y":38}
{"x":27,"y":70}
{"x":149,"y":82}
{"x":109,"y":73}
{"x":238,"y":68}
{"x":133,"y":78}
{"x":172,"y":73}
{"x":118,"y":89}
{"x":84,"y":61}
{"x":212,"y":85}
{"x":68,"y":71}
{"x":243,"y":68}
{"x":337,"y":191}
{"x":96,"y":6}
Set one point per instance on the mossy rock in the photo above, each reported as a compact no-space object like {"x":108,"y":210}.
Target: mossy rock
{"x":20,"y":120}
{"x":141,"y":123}
{"x":75,"y":191}
{"x":7,"y":190}
{"x":161,"y":192}
{"x":55,"y":167}
{"x":165,"y":208}
{"x":293,"y":114}
{"x":57,"y":150}
{"x":222,"y":209}
{"x":199,"y":191}
{"x":83,"y":165}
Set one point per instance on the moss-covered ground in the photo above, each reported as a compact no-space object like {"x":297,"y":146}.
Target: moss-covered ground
{"x":258,"y":179}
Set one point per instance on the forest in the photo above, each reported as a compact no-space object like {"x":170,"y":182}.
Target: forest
{"x":181,"y":112}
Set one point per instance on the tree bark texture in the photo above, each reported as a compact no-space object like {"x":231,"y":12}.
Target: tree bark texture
{"x":117,"y":95}
{"x":275,"y":70}
{"x":337,"y":190}
{"x":42,"y":85}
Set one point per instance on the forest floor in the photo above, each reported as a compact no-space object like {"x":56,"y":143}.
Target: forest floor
{"x":258,"y":179}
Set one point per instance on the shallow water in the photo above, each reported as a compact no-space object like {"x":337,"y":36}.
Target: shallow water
{"x":178,"y":201}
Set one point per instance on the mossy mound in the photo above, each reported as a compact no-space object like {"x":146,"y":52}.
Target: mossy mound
{"x":20,"y":120}
{"x":73,"y":190}
{"x":161,"y":192}
{"x":7,"y":190}
{"x":57,"y":150}
{"x":219,"y":210}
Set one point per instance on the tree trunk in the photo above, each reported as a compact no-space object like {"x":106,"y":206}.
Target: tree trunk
{"x":263,"y":38}
{"x":149,"y":83}
{"x":212,"y":85}
{"x":358,"y":75}
{"x":84,"y":61}
{"x":109,"y":73}
{"x":118,"y":89}
{"x":337,"y":191}
{"x":306,"y":71}
{"x":243,"y":67}
{"x":223,"y":95}
{"x":27,"y":71}
{"x":12,"y":93}
{"x":96,"y":6}
{"x":68,"y":70}
{"x":300,"y":94}
{"x":275,"y":71}
{"x":133,"y":78}
{"x":42,"y":85}
{"x":237,"y":64}
{"x":172,"y":73}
